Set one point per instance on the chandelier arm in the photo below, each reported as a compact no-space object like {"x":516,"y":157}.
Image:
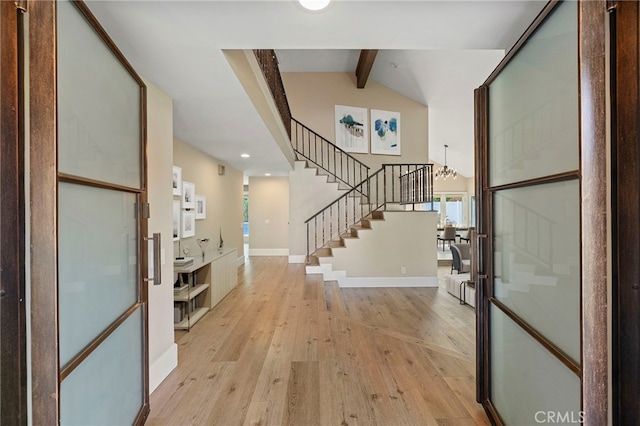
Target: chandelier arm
{"x":445,"y":171}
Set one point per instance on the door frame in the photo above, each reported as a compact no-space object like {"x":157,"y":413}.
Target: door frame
{"x":625,"y":75}
{"x":43,"y":217}
{"x":13,"y":397}
{"x":44,"y":180}
{"x":595,"y":249}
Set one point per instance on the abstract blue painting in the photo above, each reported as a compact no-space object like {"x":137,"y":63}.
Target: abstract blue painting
{"x":385,"y":132}
{"x":352,"y":129}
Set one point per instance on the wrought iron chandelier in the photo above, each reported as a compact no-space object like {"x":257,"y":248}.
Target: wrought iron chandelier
{"x":445,"y":171}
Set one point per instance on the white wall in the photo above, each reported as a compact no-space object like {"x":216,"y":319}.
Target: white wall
{"x":163,"y":352}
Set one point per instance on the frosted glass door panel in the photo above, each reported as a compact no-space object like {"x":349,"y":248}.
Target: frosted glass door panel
{"x":99,"y":110}
{"x":533,"y":104}
{"x":98,"y":262}
{"x":527,"y":381}
{"x":107,"y":375}
{"x":537,"y":259}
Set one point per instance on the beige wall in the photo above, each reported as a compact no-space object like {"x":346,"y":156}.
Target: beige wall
{"x":224,"y":198}
{"x":313,"y":96}
{"x":309,"y":192}
{"x":471,"y":186}
{"x":402,"y":240}
{"x":268,"y":216}
{"x":163,"y":353}
{"x":460,"y":185}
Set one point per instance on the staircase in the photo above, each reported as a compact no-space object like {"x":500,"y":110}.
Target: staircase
{"x":402,"y":187}
{"x":398,"y":187}
{"x":320,"y":261}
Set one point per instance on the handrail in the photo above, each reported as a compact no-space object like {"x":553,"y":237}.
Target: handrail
{"x":400,"y":184}
{"x":307,"y":143}
{"x":268,"y":62}
{"x":328,"y":156}
{"x":345,"y":195}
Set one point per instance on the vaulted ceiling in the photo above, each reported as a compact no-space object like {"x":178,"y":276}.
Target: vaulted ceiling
{"x":435,"y":52}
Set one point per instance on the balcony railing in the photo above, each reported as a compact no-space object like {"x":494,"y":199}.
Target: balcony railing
{"x":268,"y":62}
{"x":416,"y":186}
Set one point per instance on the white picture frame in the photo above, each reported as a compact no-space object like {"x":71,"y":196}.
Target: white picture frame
{"x":352,"y":129}
{"x":188,"y":195}
{"x":176,"y":220}
{"x":201,"y":207}
{"x":177,"y":180}
{"x":188,"y":223}
{"x":385,"y":132}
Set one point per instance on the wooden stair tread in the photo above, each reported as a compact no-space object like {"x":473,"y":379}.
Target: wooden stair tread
{"x":313,"y":261}
{"x":335,"y":244}
{"x":358,"y":227}
{"x":323,"y":252}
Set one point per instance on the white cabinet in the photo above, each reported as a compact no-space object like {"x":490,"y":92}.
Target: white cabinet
{"x":206,"y":282}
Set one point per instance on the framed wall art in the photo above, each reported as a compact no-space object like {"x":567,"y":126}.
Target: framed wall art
{"x":176,"y":220}
{"x":352,"y":129}
{"x":188,"y":195}
{"x":188,"y":223}
{"x":385,"y":132}
{"x":201,"y":207}
{"x":177,"y":180}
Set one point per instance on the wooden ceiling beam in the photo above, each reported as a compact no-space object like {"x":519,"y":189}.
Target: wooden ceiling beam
{"x":365,"y":63}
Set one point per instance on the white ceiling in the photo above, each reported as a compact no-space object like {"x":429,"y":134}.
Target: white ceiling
{"x":442,"y":50}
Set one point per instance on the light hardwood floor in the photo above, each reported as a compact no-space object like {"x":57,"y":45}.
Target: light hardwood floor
{"x":285,"y":349}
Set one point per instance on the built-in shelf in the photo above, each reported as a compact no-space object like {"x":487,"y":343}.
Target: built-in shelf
{"x":187,"y":294}
{"x":208,"y":279}
{"x":194,"y":317}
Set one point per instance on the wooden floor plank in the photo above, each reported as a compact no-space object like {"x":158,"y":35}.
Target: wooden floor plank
{"x":303,"y":400}
{"x":465,"y":388}
{"x":287,"y":348}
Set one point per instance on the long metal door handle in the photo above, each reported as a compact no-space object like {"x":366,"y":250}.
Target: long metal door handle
{"x":157,"y":267}
{"x":480,"y":253}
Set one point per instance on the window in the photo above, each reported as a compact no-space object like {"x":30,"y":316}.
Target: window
{"x":452,"y":208}
{"x":245,"y":215}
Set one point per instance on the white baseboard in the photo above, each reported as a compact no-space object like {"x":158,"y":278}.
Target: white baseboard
{"x":388,"y":282}
{"x":268,"y":252}
{"x":161,"y":367}
{"x":317,"y":269}
{"x":297,"y":258}
{"x":240,"y":261}
{"x":334,"y":275}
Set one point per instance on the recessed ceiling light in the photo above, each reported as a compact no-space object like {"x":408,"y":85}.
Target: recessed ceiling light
{"x":245,"y":155}
{"x":267,"y":174}
{"x":314,"y":4}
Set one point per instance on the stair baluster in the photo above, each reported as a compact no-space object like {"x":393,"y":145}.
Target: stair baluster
{"x":402,"y":184}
